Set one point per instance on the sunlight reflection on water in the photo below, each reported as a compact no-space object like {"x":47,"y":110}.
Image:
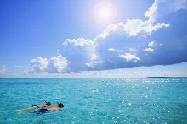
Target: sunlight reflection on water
{"x":96,"y":100}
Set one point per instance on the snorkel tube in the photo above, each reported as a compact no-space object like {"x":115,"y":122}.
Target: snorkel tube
{"x":47,"y":103}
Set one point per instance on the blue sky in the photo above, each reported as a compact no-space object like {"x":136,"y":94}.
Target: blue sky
{"x":93,"y":38}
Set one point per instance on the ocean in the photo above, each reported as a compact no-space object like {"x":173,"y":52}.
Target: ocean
{"x":95,"y":101}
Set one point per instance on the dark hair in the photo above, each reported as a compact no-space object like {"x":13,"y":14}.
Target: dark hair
{"x":60,"y":105}
{"x":48,"y":103}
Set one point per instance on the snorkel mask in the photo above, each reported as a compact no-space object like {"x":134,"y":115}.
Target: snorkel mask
{"x":47,"y":103}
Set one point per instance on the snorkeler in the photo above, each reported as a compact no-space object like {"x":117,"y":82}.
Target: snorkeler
{"x":53,"y":108}
{"x":49,"y":108}
{"x":37,"y":106}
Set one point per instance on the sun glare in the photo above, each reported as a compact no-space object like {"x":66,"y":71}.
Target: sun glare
{"x":104,"y":13}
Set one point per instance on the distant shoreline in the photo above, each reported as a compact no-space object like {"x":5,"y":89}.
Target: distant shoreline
{"x":164,"y":77}
{"x":84,"y":77}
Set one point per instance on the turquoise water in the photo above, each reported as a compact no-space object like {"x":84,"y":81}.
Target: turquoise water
{"x":96,"y":101}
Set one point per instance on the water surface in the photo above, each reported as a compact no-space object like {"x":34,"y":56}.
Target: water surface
{"x":96,"y":101}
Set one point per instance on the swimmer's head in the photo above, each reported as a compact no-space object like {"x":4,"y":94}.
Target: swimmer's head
{"x":60,"y":105}
{"x":47,"y":103}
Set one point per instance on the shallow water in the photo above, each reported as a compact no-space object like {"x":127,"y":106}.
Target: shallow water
{"x":96,"y":101}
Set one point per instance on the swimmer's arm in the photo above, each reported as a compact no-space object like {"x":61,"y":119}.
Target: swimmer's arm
{"x":52,"y":109}
{"x":21,"y":109}
{"x":26,"y":109}
{"x":34,"y":107}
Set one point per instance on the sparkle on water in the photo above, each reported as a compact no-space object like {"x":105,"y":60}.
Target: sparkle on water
{"x":92,"y":101}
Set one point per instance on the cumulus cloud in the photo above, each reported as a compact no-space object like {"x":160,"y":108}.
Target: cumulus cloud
{"x":149,"y":49}
{"x":136,"y":26}
{"x":129,"y":57}
{"x":152,"y":44}
{"x":126,"y":41}
{"x":39,"y":64}
{"x":132,"y":27}
{"x":114,"y":50}
{"x":79,"y":52}
{"x":162,"y":8}
{"x":152,"y":11}
{"x":54,"y":64}
{"x":57,"y":64}
{"x":110,"y":28}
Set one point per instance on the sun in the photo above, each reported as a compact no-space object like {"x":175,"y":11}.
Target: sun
{"x":104,"y":12}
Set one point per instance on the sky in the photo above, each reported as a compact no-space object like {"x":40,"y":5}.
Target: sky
{"x":95,"y":38}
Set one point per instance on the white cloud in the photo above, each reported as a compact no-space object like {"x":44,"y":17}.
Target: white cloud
{"x":134,"y":27}
{"x":39,"y":64}
{"x":152,"y":11}
{"x":3,"y":69}
{"x":79,"y":42}
{"x":161,"y":8}
{"x":82,"y":54}
{"x":114,"y":50}
{"x":54,"y":64}
{"x":152,"y":44}
{"x":93,"y":63}
{"x":79,"y":52}
{"x":149,"y":49}
{"x":57,"y":64}
{"x":130,"y":57}
{"x":102,"y":52}
{"x":110,"y":28}
{"x":111,"y":49}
